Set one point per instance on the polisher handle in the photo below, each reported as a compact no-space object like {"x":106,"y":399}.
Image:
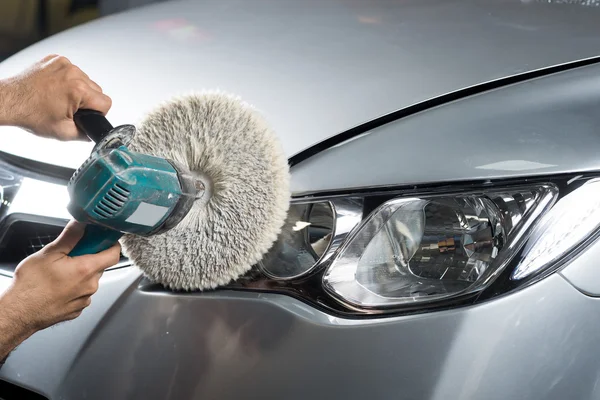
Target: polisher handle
{"x":93,"y":124}
{"x":95,"y":239}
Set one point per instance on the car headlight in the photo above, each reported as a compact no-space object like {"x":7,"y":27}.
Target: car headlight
{"x":427,"y":248}
{"x":396,"y":251}
{"x":310,"y":234}
{"x":374,"y":252}
{"x":569,"y":225}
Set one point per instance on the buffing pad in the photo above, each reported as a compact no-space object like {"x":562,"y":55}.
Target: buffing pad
{"x":230,"y":147}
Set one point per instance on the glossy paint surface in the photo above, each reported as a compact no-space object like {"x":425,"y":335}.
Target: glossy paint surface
{"x":131,"y":343}
{"x":541,"y":127}
{"x":314,"y":68}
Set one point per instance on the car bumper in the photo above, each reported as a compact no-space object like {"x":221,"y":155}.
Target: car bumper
{"x":537,"y":343}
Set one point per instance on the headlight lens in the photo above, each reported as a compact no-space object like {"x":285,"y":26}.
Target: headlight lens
{"x":311,"y":234}
{"x":428,"y":248}
{"x":305,"y":237}
{"x":571,"y":221}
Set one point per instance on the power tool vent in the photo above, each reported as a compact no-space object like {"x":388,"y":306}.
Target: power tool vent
{"x":112,"y":202}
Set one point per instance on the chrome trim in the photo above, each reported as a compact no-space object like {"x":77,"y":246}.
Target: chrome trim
{"x":522,"y":232}
{"x":348,"y":213}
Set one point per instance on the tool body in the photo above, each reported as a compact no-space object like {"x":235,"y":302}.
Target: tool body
{"x":196,"y":195}
{"x":117,"y":191}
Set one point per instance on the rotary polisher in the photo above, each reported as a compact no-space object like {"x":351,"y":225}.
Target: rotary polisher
{"x":117,"y":190}
{"x":196,"y":195}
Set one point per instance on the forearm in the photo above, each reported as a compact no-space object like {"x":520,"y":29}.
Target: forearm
{"x":13,"y":331}
{"x":6,"y":102}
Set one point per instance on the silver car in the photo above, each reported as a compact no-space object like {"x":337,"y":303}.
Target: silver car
{"x":442,"y":242}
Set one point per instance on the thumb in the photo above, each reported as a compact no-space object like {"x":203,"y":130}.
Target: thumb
{"x":68,"y":238}
{"x":100,"y":261}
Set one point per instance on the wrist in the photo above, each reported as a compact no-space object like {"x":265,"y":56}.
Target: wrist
{"x":14,"y":329}
{"x":5,"y":97}
{"x":9,"y":103}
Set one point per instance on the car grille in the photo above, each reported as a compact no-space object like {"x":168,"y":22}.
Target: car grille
{"x":37,"y":242}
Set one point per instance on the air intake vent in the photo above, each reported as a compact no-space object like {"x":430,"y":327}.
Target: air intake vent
{"x":22,"y":235}
{"x":112,"y":202}
{"x":21,"y":238}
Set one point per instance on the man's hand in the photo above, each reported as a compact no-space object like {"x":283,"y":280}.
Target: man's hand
{"x":50,"y":287}
{"x":44,"y":98}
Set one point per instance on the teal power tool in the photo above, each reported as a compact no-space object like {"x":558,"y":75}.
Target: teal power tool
{"x":117,"y":191}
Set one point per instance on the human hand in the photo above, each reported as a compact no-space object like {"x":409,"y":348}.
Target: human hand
{"x":50,"y":287}
{"x":44,"y":98}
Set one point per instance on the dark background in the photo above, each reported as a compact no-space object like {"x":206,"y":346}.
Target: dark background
{"x":23,"y":22}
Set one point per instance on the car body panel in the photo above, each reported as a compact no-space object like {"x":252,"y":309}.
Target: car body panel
{"x":544,"y":126}
{"x":231,"y":345}
{"x":585,"y":274}
{"x":317,"y":68}
{"x":314,"y":68}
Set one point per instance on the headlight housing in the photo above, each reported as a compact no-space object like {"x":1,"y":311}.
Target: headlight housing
{"x":428,"y":248}
{"x":400,"y":250}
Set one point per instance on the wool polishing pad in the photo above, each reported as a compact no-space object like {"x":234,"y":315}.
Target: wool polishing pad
{"x":228,"y":145}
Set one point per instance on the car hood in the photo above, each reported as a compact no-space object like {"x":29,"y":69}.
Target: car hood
{"x":313,"y":68}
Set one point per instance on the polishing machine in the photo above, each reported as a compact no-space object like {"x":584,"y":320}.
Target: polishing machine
{"x":117,"y":191}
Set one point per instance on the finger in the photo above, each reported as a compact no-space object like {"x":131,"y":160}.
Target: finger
{"x":79,"y":74}
{"x":95,"y":100}
{"x":80,"y":303}
{"x":58,"y":62}
{"x":73,"y":315}
{"x":90,"y":82}
{"x":68,"y":238}
{"x":105,"y":259}
{"x":94,"y":85}
{"x":48,"y":58}
{"x":89,"y":286}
